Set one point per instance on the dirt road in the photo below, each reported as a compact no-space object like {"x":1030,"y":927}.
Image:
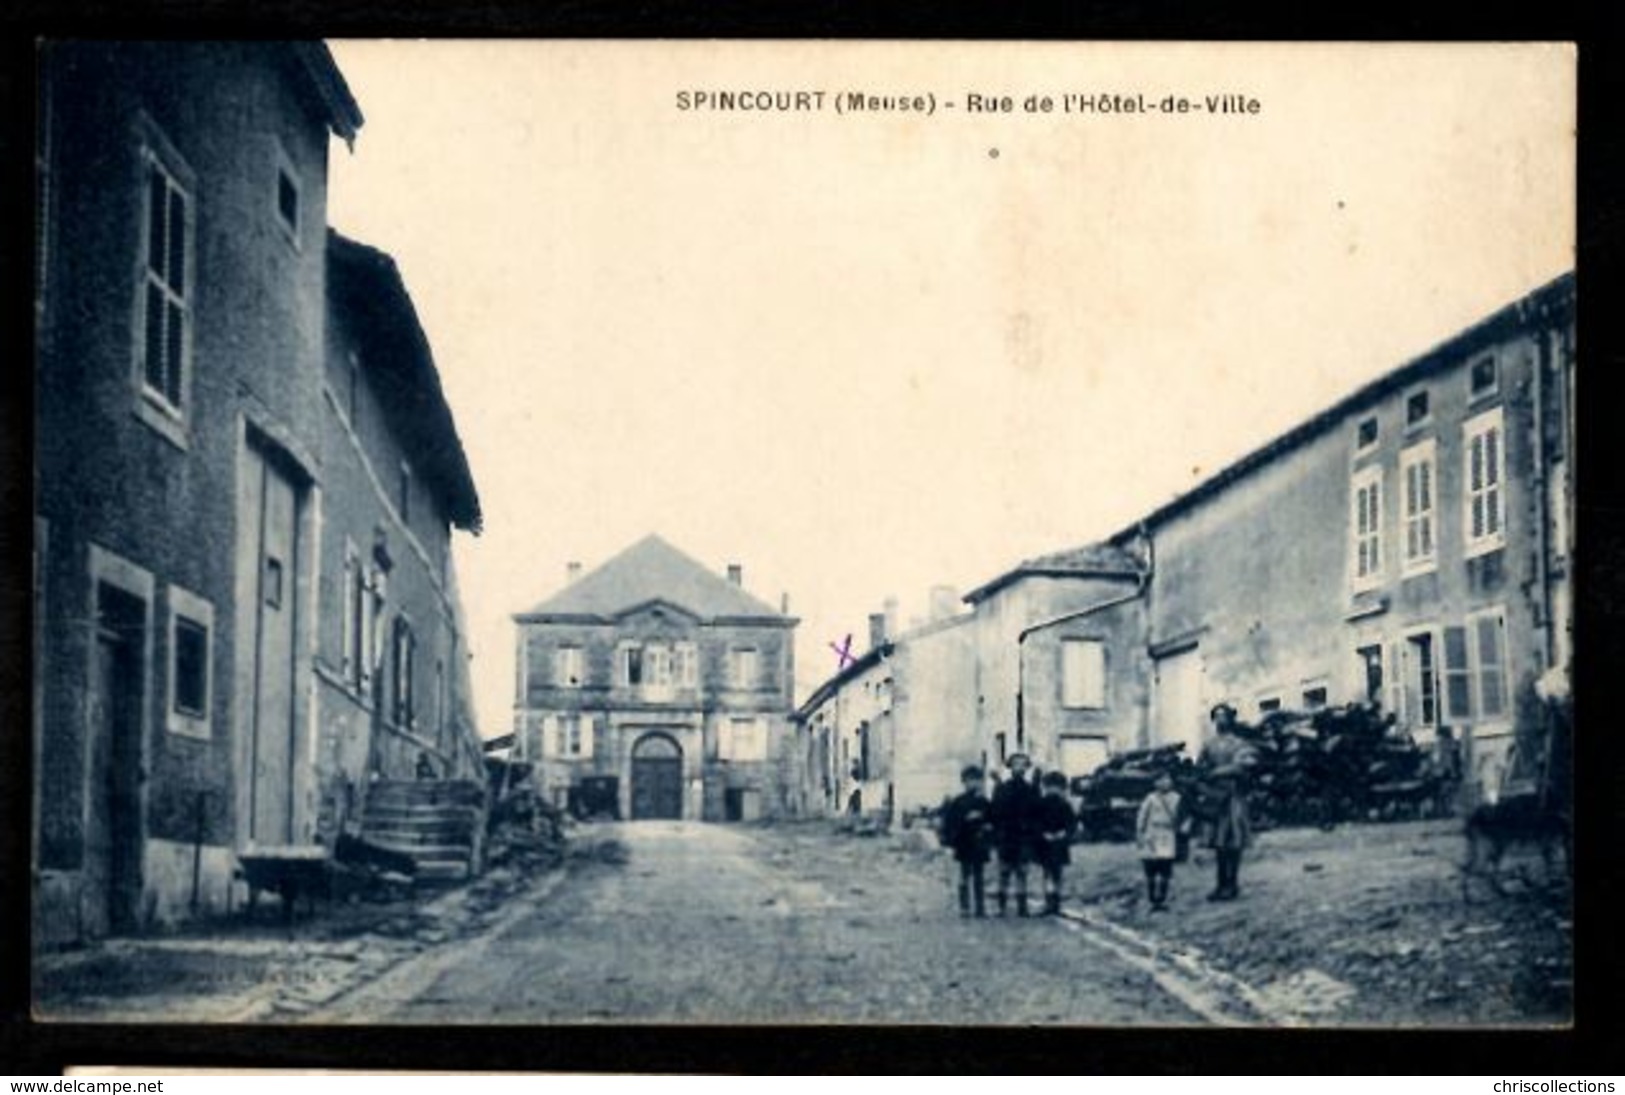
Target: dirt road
{"x":710,"y":923}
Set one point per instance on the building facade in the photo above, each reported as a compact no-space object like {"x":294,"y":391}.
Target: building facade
{"x":182,"y":490}
{"x":661,"y":687}
{"x":1410,"y":546}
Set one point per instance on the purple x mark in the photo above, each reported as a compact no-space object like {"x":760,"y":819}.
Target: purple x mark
{"x":844,"y":653}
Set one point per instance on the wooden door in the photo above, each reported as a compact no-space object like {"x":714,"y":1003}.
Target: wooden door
{"x":116,"y":701}
{"x":657,"y":778}
{"x":1178,"y":700}
{"x":276,"y":564}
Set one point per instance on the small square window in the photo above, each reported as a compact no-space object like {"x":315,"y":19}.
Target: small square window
{"x":287,"y":201}
{"x":1314,"y":698}
{"x":1484,"y":378}
{"x":191,"y":667}
{"x":273,"y":581}
{"x":1417,"y":409}
{"x":1366,"y":435}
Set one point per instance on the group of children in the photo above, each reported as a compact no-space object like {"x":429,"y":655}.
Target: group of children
{"x":1024,"y":824}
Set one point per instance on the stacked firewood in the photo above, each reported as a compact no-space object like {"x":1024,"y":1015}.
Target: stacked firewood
{"x":1346,"y":763}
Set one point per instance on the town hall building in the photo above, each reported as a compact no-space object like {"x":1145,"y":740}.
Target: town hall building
{"x":652,"y":687}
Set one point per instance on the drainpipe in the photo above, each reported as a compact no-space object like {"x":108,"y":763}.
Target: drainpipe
{"x":1140,"y":582}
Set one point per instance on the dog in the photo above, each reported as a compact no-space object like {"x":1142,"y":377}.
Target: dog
{"x":1526,"y":821}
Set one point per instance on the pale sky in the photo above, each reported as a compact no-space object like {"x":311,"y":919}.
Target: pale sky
{"x":862,"y":354}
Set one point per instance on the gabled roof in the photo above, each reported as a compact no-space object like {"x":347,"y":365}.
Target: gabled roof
{"x":1102,"y":560}
{"x":343,"y":115}
{"x":652,"y":570}
{"x":1554,"y":299}
{"x":365,"y":286}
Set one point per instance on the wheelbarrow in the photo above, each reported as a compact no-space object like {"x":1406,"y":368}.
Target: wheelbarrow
{"x":290,"y":871}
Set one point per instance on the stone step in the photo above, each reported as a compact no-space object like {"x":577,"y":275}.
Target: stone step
{"x":422,"y":814}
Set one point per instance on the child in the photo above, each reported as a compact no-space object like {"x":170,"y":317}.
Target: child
{"x":1157,"y":832}
{"x":965,"y":827}
{"x":1057,"y":823}
{"x":1015,"y":830}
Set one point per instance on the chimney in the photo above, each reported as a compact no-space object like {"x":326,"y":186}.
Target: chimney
{"x":572,"y":571}
{"x":736,"y":574}
{"x":877,"y":630}
{"x":890,"y":605}
{"x":784,"y":604}
{"x":944,"y":602}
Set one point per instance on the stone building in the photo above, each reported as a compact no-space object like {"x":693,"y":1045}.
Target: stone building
{"x":187,"y":483}
{"x":897,"y":723}
{"x":391,"y":658}
{"x":1410,"y":545}
{"x":658,"y":689}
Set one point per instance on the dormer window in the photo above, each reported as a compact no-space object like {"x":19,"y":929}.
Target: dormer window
{"x":1483,"y":378}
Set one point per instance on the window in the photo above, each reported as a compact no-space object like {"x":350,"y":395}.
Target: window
{"x":657,"y":675}
{"x":632,"y":666}
{"x":1370,"y":659}
{"x":1268,"y":704}
{"x":1417,"y":409}
{"x":1485,"y":472}
{"x":1416,"y":471}
{"x":1489,"y":651}
{"x":405,"y":651}
{"x":1083,"y":673}
{"x":287,"y":201}
{"x":1421,"y":681}
{"x":353,"y":658}
{"x":1314,"y":696}
{"x":165,"y":312}
{"x":574,"y":735}
{"x":1458,"y":679}
{"x":1366,"y":526}
{"x":742,"y":739}
{"x":743,"y":668}
{"x":1365,"y":434}
{"x":687,"y":670}
{"x":273,"y":581}
{"x":191,"y":625}
{"x":567,"y":667}
{"x":1483,"y":378}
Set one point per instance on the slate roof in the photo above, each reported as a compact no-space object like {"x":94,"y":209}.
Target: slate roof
{"x":1099,"y":559}
{"x":653,"y":570}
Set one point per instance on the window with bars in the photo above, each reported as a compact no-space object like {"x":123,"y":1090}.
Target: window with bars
{"x":165,"y":307}
{"x":1484,"y":453}
{"x":1366,"y":527}
{"x":1416,"y":469}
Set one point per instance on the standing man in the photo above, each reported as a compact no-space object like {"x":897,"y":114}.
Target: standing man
{"x":1228,"y":759}
{"x":1015,"y":830}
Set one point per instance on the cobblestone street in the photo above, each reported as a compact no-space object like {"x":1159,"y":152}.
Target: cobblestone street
{"x":707,"y":923}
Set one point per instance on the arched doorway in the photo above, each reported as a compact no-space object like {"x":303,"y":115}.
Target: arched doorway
{"x":657,"y":778}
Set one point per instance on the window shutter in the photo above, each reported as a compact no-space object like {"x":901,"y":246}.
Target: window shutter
{"x":347,"y":656}
{"x":587,"y":735}
{"x":552,"y":745}
{"x":724,"y":739}
{"x":1457,"y":677}
{"x":1491,"y":670}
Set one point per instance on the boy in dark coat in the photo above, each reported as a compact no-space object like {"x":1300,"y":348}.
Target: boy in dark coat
{"x":1057,"y":824}
{"x":966,"y":828}
{"x":1015,"y":831}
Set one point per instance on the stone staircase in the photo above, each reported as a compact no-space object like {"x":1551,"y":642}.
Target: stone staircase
{"x":439,"y":823}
